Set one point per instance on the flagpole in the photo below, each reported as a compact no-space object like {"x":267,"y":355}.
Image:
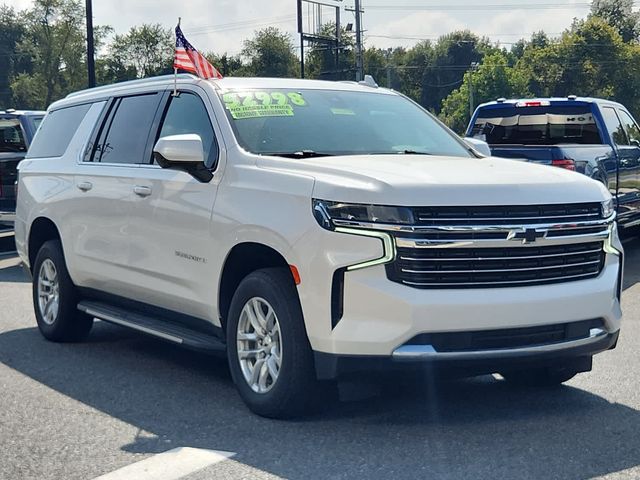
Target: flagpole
{"x":175,"y":73}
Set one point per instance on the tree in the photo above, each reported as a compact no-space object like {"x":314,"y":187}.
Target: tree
{"x":451,"y":57}
{"x":320,"y":60}
{"x":145,"y":51}
{"x":11,"y":33}
{"x":620,"y":15}
{"x":54,"y":35}
{"x":493,"y":79}
{"x":270,"y":53}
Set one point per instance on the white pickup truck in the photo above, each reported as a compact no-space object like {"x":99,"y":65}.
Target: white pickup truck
{"x":311,"y":230}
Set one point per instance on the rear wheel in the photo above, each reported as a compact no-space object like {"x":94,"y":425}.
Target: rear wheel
{"x":269,"y":355}
{"x":55,"y":299}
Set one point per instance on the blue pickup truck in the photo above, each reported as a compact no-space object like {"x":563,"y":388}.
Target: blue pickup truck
{"x":598,"y":138}
{"x":17,"y":128}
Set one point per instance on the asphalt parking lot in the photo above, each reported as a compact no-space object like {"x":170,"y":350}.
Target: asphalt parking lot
{"x":78,"y":411}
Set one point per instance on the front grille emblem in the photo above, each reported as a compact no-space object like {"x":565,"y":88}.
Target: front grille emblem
{"x":527,"y":235}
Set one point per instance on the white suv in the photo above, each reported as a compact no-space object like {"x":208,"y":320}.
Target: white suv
{"x":312,"y":230}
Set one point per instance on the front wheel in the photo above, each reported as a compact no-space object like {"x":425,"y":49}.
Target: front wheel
{"x":55,"y":299}
{"x":269,"y":354}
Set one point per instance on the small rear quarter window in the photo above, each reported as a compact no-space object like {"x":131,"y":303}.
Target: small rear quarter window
{"x":56,"y":131}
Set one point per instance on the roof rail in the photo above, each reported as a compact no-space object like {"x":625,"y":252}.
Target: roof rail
{"x":141,"y":81}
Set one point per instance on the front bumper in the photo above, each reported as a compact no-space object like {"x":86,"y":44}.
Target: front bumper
{"x":575,"y":353}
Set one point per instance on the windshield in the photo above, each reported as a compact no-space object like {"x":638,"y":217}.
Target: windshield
{"x":552,"y":125}
{"x":330,"y":122}
{"x":11,"y":137}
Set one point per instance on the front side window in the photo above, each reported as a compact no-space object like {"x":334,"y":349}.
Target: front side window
{"x":56,"y":131}
{"x":11,"y":136}
{"x":632,"y":128}
{"x":124,"y":135}
{"x":615,"y":127}
{"x":187,"y":114}
{"x":333,"y":122}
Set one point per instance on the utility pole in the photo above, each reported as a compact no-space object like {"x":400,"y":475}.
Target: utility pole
{"x":91,"y":65}
{"x":359,"y":56}
{"x":472,"y":105}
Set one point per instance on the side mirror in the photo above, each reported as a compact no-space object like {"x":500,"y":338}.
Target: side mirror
{"x":634,"y":143}
{"x":182,"y":152}
{"x":478,"y":145}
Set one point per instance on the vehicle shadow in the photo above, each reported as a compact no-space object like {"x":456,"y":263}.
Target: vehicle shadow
{"x":11,"y":270}
{"x":477,"y":428}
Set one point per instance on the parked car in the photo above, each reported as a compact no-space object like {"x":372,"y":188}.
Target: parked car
{"x":17,"y":128}
{"x":596,"y":137}
{"x":311,"y":230}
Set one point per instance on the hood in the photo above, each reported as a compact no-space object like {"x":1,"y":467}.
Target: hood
{"x":416,"y":180}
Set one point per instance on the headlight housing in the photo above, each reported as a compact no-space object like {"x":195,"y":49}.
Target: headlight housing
{"x":608,"y":208}
{"x":332,"y":214}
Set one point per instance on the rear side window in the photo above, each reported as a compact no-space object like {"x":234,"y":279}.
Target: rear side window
{"x":11,"y":136}
{"x":56,"y":131}
{"x":551,"y":125}
{"x":615,"y":127}
{"x":124,"y":135}
{"x":187,"y":114}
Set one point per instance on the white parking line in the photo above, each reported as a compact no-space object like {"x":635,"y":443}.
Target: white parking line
{"x":169,"y":465}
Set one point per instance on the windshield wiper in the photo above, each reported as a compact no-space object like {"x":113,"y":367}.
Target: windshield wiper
{"x":299,"y":154}
{"x":414,"y":152}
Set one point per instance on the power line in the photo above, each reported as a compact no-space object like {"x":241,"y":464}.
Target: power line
{"x":481,"y":6}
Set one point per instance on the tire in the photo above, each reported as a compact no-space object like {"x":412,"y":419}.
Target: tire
{"x":540,"y":377}
{"x":58,"y":320}
{"x":294,"y":390}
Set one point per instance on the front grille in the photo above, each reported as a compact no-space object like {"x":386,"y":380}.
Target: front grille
{"x":496,"y":267}
{"x":507,"y":215}
{"x":506,"y":338}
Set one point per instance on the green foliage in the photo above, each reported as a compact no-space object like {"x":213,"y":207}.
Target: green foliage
{"x":620,"y":15}
{"x":54,"y":33}
{"x":494,"y":78}
{"x":144,"y":51}
{"x":11,"y":33}
{"x":320,"y":59}
{"x":270,"y":53}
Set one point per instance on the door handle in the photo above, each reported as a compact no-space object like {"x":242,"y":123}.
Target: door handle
{"x":85,"y":186}
{"x":142,"y":191}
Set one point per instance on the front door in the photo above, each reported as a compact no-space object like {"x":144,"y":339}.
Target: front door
{"x":170,"y":235}
{"x":628,"y":152}
{"x":630,"y":157}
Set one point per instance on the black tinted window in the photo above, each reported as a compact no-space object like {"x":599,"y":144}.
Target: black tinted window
{"x":11,"y":136}
{"x":124,"y":135}
{"x":614,"y":126}
{"x":56,"y":131}
{"x":187,"y":114}
{"x":544,"y":125}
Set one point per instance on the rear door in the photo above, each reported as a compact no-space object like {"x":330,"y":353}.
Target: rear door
{"x":13,"y":147}
{"x":628,"y":149}
{"x":104,"y":183}
{"x":170,"y":235}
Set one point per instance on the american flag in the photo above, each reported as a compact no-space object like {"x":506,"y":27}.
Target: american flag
{"x":189,"y":59}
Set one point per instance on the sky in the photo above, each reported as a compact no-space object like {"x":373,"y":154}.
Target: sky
{"x":221,"y":25}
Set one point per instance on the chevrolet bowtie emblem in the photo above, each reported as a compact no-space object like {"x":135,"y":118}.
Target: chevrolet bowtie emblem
{"x":527,"y":235}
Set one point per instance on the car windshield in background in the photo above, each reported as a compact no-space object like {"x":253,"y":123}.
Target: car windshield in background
{"x":11,"y":137}
{"x":306,"y":123}
{"x":550,"y":125}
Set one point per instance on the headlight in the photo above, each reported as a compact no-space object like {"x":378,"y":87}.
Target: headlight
{"x":607,"y":208}
{"x":331,"y":214}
